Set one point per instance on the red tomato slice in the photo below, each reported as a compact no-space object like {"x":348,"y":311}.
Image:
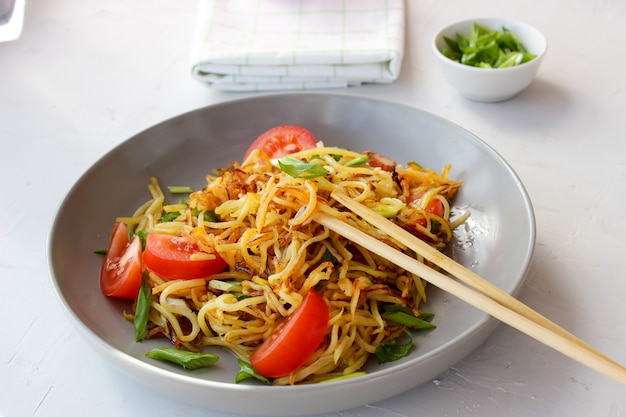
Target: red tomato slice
{"x":283,"y":140}
{"x":294,"y":340}
{"x":435,"y":206}
{"x":120,"y":275}
{"x":171,"y":257}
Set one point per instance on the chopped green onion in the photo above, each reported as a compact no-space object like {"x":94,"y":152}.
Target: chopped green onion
{"x":101,"y":251}
{"x":247,"y":372}
{"x":168,"y":217}
{"x":389,"y":207}
{"x":404,"y":315}
{"x":359,"y":160}
{"x":426,"y":315}
{"x":408,"y":320}
{"x":142,"y":309}
{"x":184,"y":358}
{"x":240,"y":296}
{"x":179,"y":189}
{"x":299,"y":169}
{"x":486,"y":48}
{"x":208,"y":216}
{"x":226,"y":286}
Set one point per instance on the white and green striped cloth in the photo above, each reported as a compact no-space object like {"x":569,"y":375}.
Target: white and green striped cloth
{"x":262,"y":45}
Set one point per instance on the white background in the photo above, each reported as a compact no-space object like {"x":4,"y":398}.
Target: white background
{"x":88,"y":74}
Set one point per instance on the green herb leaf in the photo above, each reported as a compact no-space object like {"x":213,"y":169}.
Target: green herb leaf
{"x":168,"y":217}
{"x":392,"y":351}
{"x":299,"y":169}
{"x":179,"y":189}
{"x":247,"y":372}
{"x":184,"y":358}
{"x":142,"y":309}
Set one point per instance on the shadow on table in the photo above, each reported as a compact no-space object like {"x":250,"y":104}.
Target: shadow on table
{"x":542,"y":105}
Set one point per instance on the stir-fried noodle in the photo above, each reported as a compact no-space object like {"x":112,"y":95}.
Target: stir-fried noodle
{"x":258,"y":218}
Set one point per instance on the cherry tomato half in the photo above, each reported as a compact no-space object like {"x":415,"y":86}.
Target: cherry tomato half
{"x":282,"y":140}
{"x":294,"y":340}
{"x":120,"y":275}
{"x":435,"y":206}
{"x":172,"y":257}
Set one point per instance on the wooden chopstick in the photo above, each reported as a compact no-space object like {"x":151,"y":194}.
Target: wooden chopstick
{"x":456,"y":269}
{"x":560,"y":340}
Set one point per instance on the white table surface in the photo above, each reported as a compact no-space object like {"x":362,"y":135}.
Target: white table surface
{"x":85,"y":75}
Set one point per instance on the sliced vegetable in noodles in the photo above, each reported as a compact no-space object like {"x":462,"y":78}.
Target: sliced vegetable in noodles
{"x":186,"y":359}
{"x":243,"y":264}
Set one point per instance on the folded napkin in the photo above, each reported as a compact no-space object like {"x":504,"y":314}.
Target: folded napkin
{"x":260,"y":45}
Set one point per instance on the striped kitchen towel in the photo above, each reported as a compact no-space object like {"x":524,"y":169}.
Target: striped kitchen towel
{"x":262,"y":45}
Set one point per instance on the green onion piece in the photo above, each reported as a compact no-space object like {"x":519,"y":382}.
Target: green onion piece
{"x":247,"y":372}
{"x":240,"y":296}
{"x":299,"y":169}
{"x":184,"y":358}
{"x":226,"y":286}
{"x":426,"y":315}
{"x":359,"y":160}
{"x":392,"y":351}
{"x":389,"y":207}
{"x":408,"y":320}
{"x":179,"y":189}
{"x":404,"y":316}
{"x":101,"y":251}
{"x":142,"y":309}
{"x":168,"y":217}
{"x":208,"y":216}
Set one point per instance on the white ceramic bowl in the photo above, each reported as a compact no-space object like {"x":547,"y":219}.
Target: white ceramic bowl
{"x":491,"y":84}
{"x":497,"y":241}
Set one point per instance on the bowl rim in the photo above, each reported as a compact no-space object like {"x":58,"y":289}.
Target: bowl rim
{"x":174,"y":385}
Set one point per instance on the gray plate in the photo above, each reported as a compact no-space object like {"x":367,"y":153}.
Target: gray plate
{"x":497,"y":242}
